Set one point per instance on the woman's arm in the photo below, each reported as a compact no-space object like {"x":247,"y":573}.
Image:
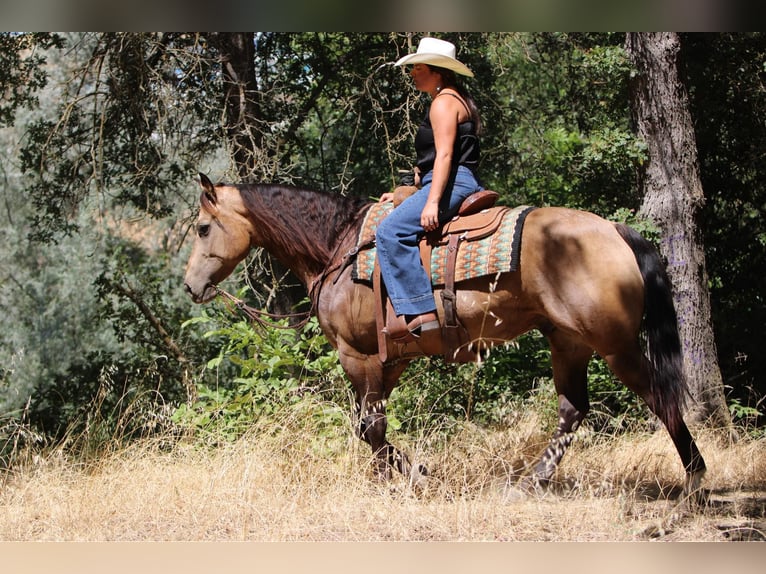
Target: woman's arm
{"x":444,"y":117}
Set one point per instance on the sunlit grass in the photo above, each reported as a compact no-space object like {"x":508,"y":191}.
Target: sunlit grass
{"x":282,"y":482}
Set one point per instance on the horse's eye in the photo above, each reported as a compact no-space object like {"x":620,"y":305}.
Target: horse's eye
{"x":203,"y":229}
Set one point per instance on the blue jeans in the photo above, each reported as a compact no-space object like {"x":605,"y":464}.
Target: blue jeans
{"x":397,"y":237}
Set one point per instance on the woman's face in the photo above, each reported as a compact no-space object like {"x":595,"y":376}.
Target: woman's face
{"x":425,"y":79}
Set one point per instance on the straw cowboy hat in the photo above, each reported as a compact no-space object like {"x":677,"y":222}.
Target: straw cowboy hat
{"x":436,"y":53}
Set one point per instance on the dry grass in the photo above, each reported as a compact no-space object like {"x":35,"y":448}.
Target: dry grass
{"x":276,"y":486}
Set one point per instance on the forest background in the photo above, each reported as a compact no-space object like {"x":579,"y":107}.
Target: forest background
{"x":103,"y":133}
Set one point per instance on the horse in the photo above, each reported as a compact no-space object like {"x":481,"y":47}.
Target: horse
{"x":587,"y":284}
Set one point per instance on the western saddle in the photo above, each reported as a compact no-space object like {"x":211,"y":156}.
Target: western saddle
{"x":477,"y":218}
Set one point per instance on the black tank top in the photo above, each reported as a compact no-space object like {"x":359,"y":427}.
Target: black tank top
{"x":466,"y":149}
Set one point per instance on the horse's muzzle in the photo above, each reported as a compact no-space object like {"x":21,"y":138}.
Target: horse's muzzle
{"x":208,"y":293}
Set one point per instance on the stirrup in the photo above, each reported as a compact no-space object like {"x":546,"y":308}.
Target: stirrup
{"x":402,"y":332}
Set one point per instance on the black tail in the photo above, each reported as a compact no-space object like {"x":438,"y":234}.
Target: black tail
{"x":663,"y":344}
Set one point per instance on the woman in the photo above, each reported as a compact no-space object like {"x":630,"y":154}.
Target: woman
{"x":447,"y":149}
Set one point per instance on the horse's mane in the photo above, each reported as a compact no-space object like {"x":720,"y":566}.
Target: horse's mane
{"x":302,"y":221}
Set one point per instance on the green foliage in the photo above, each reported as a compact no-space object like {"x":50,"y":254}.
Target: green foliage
{"x":115,"y":126}
{"x":81,"y":352}
{"x":725,"y":75}
{"x":326,"y":120}
{"x":559,"y":128}
{"x":512,"y":378}
{"x":434,"y":394}
{"x":22,"y":70}
{"x":742,"y":413}
{"x":106,"y":349}
{"x":614,"y":407}
{"x":265,"y":371}
{"x":647,"y":228}
{"x":746,"y":410}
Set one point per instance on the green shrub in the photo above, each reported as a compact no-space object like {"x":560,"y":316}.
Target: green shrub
{"x":513,"y":378}
{"x":261,"y":372}
{"x":432,"y":392}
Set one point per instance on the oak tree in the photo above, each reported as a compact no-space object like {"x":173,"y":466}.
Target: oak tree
{"x":673,"y":199}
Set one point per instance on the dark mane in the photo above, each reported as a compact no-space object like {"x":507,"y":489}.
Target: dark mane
{"x":302,"y":221}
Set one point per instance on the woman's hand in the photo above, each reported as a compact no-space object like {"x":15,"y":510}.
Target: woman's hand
{"x":429,"y":217}
{"x":388,"y":196}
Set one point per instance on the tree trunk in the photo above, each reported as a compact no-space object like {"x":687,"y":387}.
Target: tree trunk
{"x":673,"y":199}
{"x":241,"y":107}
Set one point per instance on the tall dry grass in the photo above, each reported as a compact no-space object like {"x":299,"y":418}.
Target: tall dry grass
{"x":281,"y":483}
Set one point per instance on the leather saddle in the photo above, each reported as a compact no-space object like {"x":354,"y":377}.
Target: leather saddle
{"x":477,"y":218}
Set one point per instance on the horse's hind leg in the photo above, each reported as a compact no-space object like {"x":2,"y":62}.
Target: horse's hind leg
{"x":570,"y":364}
{"x":633,"y":369}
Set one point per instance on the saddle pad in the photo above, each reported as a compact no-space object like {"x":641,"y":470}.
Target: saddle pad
{"x":496,"y":253}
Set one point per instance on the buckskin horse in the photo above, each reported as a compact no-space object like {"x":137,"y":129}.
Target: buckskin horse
{"x":589,"y":285}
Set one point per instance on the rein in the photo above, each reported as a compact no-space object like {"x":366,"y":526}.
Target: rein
{"x":257,"y":315}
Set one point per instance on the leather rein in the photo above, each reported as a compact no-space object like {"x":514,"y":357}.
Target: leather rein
{"x":264,"y":318}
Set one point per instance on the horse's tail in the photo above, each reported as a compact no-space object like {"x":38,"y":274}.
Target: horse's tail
{"x":667,"y":382}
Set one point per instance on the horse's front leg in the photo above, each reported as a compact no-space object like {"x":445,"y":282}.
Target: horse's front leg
{"x":372,"y":425}
{"x":373,"y":383}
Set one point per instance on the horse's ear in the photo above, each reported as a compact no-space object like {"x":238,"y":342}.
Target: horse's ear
{"x":208,"y":197}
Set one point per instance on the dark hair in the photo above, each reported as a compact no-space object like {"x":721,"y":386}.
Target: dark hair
{"x":449,"y":78}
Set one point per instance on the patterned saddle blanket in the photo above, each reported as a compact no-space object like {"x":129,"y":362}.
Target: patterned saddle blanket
{"x":480,"y":253}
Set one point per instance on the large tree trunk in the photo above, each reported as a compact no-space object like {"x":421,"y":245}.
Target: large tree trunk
{"x":673,"y":199}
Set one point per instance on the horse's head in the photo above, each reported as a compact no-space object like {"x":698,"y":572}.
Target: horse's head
{"x":223,"y":239}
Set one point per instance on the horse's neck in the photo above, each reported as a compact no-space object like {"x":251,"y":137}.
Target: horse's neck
{"x":295,"y":226}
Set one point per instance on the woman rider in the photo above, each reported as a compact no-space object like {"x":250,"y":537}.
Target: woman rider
{"x":447,"y":148}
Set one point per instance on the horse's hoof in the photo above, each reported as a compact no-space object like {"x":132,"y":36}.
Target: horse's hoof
{"x":512,"y":493}
{"x":419,"y":480}
{"x":533,"y":485}
{"x":694,"y":496}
